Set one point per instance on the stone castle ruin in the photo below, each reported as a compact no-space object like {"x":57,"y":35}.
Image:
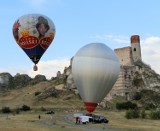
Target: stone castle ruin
{"x":127,"y":56}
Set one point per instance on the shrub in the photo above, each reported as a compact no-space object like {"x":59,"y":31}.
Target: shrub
{"x":137,"y":96}
{"x":126,"y":105}
{"x":155,"y":115}
{"x":43,"y":109}
{"x":130,"y":114}
{"x":143,"y":114}
{"x":6,"y":110}
{"x":149,"y":106}
{"x":37,"y":93}
{"x":17,"y":110}
{"x":25,"y":108}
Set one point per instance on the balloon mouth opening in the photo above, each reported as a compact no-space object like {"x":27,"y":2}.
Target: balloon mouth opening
{"x":35,"y":68}
{"x":90,"y":106}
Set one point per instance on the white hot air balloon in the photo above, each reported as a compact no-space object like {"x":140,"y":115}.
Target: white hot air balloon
{"x":95,"y":69}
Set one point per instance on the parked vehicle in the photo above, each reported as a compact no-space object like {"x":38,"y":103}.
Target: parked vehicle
{"x":50,"y":112}
{"x":85,"y":119}
{"x":100,"y":119}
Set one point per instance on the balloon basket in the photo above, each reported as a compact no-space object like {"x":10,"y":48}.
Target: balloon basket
{"x":35,"y":68}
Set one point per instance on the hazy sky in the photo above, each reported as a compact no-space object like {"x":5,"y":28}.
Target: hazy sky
{"x":80,"y":22}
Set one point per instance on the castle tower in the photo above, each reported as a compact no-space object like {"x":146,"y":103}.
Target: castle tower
{"x":136,"y":48}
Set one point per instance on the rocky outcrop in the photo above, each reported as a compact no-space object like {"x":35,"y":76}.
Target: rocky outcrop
{"x":146,"y":78}
{"x":37,"y":79}
{"x":20,"y":80}
{"x":5,"y":81}
{"x":69,"y":79}
{"x":49,"y":92}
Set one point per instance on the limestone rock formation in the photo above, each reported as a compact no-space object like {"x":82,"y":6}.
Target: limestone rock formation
{"x":5,"y":81}
{"x":20,"y":80}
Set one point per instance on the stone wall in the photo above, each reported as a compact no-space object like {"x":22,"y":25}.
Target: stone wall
{"x":127,"y":57}
{"x":123,"y":85}
{"x":124,"y":55}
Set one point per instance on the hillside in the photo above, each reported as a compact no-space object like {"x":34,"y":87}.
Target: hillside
{"x":61,"y":92}
{"x":42,"y":94}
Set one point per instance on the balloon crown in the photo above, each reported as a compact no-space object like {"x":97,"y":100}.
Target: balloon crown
{"x":42,"y":20}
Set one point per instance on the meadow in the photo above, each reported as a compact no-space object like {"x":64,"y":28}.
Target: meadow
{"x":64,"y":106}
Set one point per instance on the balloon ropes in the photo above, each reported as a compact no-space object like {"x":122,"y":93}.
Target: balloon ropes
{"x":95,"y":69}
{"x":34,"y":33}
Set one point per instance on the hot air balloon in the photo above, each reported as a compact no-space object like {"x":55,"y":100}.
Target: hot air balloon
{"x":95,"y":69}
{"x":34,"y":33}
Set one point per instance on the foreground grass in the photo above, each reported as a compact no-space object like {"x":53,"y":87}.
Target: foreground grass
{"x":28,"y":121}
{"x":118,"y":121}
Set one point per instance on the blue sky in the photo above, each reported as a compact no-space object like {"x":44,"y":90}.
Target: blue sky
{"x":80,"y":22}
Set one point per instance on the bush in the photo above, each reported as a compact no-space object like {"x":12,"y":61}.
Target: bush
{"x":6,"y":110}
{"x":37,"y":93}
{"x":130,"y":114}
{"x":137,"y":96}
{"x":126,"y":105}
{"x":17,"y":110}
{"x":25,"y":108}
{"x":155,"y":115}
{"x":43,"y":109}
{"x":149,"y":106}
{"x":143,"y":114}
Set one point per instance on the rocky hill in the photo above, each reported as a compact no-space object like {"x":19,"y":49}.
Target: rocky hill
{"x":145,"y":78}
{"x":7,"y":81}
{"x":146,"y":83}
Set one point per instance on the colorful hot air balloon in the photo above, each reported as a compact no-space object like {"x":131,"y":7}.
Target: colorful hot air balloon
{"x":34,"y":34}
{"x":95,"y":69}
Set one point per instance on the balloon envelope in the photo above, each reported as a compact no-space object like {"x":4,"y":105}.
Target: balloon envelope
{"x":34,"y":34}
{"x":95,"y":68}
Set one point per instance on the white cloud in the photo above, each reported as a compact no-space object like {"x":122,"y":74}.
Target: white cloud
{"x":117,"y":41}
{"x":152,"y":40}
{"x":48,"y":68}
{"x":151,"y":52}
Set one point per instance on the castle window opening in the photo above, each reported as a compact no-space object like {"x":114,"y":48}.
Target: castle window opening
{"x":129,"y":77}
{"x":125,"y":76}
{"x":134,"y":49}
